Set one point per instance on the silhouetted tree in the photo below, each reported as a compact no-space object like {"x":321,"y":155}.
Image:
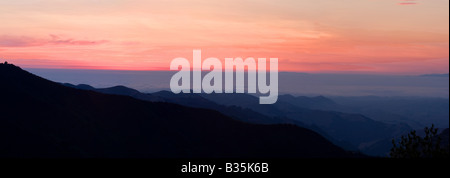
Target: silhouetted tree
{"x":414,"y":146}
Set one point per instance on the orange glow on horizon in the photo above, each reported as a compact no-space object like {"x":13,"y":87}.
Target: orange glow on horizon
{"x":363,"y":36}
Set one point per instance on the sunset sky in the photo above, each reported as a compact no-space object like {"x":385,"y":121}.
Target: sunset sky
{"x":362,"y":36}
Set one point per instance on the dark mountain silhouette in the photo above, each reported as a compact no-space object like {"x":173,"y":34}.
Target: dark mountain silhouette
{"x":118,"y":90}
{"x":197,"y":101}
{"x":191,"y":100}
{"x":319,"y":102}
{"x":238,"y":113}
{"x":356,"y":129}
{"x":349,"y":131}
{"x":417,"y":112}
{"x":40,"y":118}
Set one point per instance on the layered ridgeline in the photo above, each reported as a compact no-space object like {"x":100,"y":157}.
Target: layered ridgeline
{"x":40,"y":118}
{"x":350,"y":131}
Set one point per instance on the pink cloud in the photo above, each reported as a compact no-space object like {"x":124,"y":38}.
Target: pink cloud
{"x":408,"y":2}
{"x":59,"y":41}
{"x":24,"y":41}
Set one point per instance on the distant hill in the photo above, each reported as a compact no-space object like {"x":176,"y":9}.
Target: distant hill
{"x":40,"y":118}
{"x":417,"y":112}
{"x":192,"y":100}
{"x":346,"y":130}
{"x":356,"y":129}
{"x":435,"y":75}
{"x":197,"y":101}
{"x":319,"y":102}
{"x":118,"y":90}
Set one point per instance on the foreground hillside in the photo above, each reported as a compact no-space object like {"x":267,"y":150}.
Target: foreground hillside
{"x":40,"y":118}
